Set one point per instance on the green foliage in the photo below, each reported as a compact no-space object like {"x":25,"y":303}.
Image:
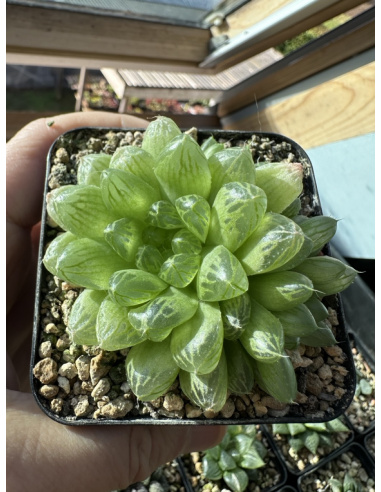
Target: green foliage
{"x":235,"y":458}
{"x":347,"y":484}
{"x":193,"y":257}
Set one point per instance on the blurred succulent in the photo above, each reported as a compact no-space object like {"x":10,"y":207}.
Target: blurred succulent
{"x":200,"y":265}
{"x":310,"y":435}
{"x":347,"y":484}
{"x":363,"y":386}
{"x":236,"y":458}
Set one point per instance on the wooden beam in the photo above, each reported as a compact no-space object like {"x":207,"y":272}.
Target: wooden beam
{"x":335,"y":110}
{"x":276,"y":35}
{"x":332,"y":48}
{"x":86,"y":40}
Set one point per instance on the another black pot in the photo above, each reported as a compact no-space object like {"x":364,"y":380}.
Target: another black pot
{"x":297,"y":412}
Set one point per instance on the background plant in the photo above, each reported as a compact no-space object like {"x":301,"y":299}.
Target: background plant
{"x":347,"y":484}
{"x":197,"y":261}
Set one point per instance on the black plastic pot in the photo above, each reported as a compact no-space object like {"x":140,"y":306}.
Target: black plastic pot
{"x":297,"y":412}
{"x":358,"y":452}
{"x":369,"y":444}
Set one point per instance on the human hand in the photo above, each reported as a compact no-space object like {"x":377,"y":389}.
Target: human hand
{"x":41,"y":453}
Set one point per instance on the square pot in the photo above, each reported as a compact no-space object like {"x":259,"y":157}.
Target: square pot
{"x":66,"y":397}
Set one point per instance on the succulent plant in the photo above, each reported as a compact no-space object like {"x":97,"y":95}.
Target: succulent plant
{"x":197,"y":261}
{"x":236,"y":458}
{"x":347,"y":484}
{"x":310,"y":435}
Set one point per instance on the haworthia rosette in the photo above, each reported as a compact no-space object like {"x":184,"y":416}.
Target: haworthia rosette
{"x":55,"y":249}
{"x":136,"y":161}
{"x":179,"y":270}
{"x":90,"y":167}
{"x":158,"y":134}
{"x":164,"y":215}
{"x":194,"y":211}
{"x":149,"y":259}
{"x":125,"y":237}
{"x":83,"y":317}
{"x":185,"y":242}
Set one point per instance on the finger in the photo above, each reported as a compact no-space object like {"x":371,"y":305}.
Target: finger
{"x":92,"y":458}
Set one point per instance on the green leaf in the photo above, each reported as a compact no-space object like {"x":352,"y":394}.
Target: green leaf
{"x":196,"y":345}
{"x":243,"y":443}
{"x":208,"y":391}
{"x":74,"y":207}
{"x":251,"y":459}
{"x":149,"y":259}
{"x":277,"y":379}
{"x":89,"y":263}
{"x":237,"y":211}
{"x":322,"y":337}
{"x":317,"y":308}
{"x":183,"y":169}
{"x":280,"y":429}
{"x":150,"y":369}
{"x":280,"y":291}
{"x":337,"y":425}
{"x":226,"y":461}
{"x":261,"y":449}
{"x":158,"y":134}
{"x":55,"y":249}
{"x":127,"y":195}
{"x":296,"y":443}
{"x":132,"y":287}
{"x":311,"y":441}
{"x":211,"y":469}
{"x":155,"y":236}
{"x":157,"y":318}
{"x":90,"y":167}
{"x":233,"y":164}
{"x":125,"y":237}
{"x":350,"y":484}
{"x":83,"y":317}
{"x":194,"y":211}
{"x":326,"y":440}
{"x":300,"y":256}
{"x":185,"y":242}
{"x":282,"y":183}
{"x":210,"y":147}
{"x":320,"y":230}
{"x":136,"y":161}
{"x":235,"y":314}
{"x":263,"y":337}
{"x":179,"y":270}
{"x":293,"y":209}
{"x":297,"y":321}
{"x":295,"y":429}
{"x":164,"y":215}
{"x":328,"y":275}
{"x":213,"y":453}
{"x":220,"y":276}
{"x":240,"y":372}
{"x":365,"y":387}
{"x":335,"y":485}
{"x":291,"y":343}
{"x":274,"y":242}
{"x":114,"y":331}
{"x":317,"y":427}
{"x":236,"y":479}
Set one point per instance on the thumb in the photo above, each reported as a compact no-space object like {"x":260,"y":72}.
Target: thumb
{"x":93,"y":458}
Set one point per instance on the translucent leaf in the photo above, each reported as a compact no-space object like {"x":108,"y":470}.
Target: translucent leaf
{"x":157,"y":318}
{"x":136,"y":161}
{"x":235,"y":314}
{"x":150,"y":369}
{"x":277,"y":379}
{"x":293,"y":209}
{"x":132,"y":287}
{"x":164,"y":215}
{"x":55,"y":249}
{"x":280,"y":291}
{"x":89,"y":263}
{"x":311,"y":441}
{"x":114,"y":331}
{"x":317,"y":426}
{"x":251,"y":459}
{"x":322,"y":337}
{"x":226,"y":461}
{"x":158,"y":134}
{"x":211,"y":469}
{"x":326,"y":440}
{"x":335,"y":485}
{"x":179,"y":270}
{"x":155,"y":236}
{"x":261,"y":449}
{"x":221,"y":276}
{"x":263,"y":337}
{"x":149,"y":259}
{"x":226,"y":441}
{"x":282,"y":183}
{"x":243,"y":443}
{"x":317,"y":308}
{"x":291,"y":343}
{"x":75,"y":207}
{"x":208,"y":391}
{"x":185,"y":242}
{"x":236,"y":479}
{"x":300,"y":256}
{"x":233,"y":164}
{"x":195,"y":213}
{"x":280,"y":429}
{"x":183,"y":169}
{"x":297,"y":321}
{"x":295,"y":429}
{"x":365,"y":387}
{"x":83,"y":317}
{"x":320,"y":230}
{"x":210,"y":147}
{"x":275,"y":241}
{"x":296,"y":444}
{"x":127,"y":195}
{"x":350,"y":484}
{"x":125,"y":237}
{"x":214,"y":452}
{"x":237,"y":210}
{"x":196,"y":345}
{"x":240,"y":372}
{"x":328,"y":275}
{"x":337,"y":425}
{"x":90,"y":167}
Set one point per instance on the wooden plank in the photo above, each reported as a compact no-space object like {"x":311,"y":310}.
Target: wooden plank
{"x":50,"y":32}
{"x":341,"y":108}
{"x":276,"y":36}
{"x":321,"y":54}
